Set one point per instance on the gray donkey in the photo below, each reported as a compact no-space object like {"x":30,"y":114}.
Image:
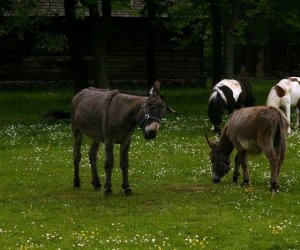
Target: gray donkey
{"x":251,"y":130}
{"x":111,"y":117}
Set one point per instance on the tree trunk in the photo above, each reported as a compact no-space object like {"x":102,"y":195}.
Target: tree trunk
{"x":229,"y":40}
{"x":217,"y":42}
{"x":260,"y":66}
{"x":151,"y":39}
{"x":202,"y":80}
{"x":228,"y":55}
{"x":100,"y":33}
{"x":79,"y":74}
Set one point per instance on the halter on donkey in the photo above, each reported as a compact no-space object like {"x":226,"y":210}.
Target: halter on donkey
{"x":110,"y":117}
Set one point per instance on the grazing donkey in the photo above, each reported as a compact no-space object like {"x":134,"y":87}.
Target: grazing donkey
{"x":286,"y":93}
{"x":111,"y":117}
{"x":228,"y":94}
{"x":250,"y":130}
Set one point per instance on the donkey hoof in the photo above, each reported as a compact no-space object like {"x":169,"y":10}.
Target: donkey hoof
{"x":108,"y":192}
{"x":76,"y":186}
{"x":128,"y":192}
{"x":274,"y":187}
{"x":97,"y":188}
{"x":235,"y":179}
{"x":216,"y":180}
{"x":245,"y":182}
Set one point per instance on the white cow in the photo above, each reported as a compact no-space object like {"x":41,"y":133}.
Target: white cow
{"x":286,"y":93}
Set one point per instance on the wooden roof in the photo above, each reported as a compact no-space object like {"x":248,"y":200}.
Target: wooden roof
{"x":56,"y":8}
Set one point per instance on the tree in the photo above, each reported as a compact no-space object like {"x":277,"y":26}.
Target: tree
{"x":217,"y":43}
{"x":24,"y":21}
{"x":271,"y":25}
{"x":229,"y":36}
{"x":75,"y":46}
{"x":151,"y":7}
{"x":100,"y":33}
{"x":21,"y":21}
{"x":101,"y":28}
{"x":188,"y":22}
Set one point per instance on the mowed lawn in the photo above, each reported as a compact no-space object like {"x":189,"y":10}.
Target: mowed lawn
{"x":175,"y":204}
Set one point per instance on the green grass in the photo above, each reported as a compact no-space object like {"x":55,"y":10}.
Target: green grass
{"x":175,"y":204}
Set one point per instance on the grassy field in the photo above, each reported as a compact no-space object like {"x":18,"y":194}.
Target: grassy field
{"x":175,"y":204}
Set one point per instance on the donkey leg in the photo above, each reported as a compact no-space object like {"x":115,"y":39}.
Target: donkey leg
{"x":274,"y":163}
{"x":278,"y":173}
{"x":108,"y":165}
{"x":93,"y":161}
{"x":280,"y":158}
{"x":237,"y":163}
{"x":77,"y":137}
{"x":124,"y":167}
{"x":245,"y":168}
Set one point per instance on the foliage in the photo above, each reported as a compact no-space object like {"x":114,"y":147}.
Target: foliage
{"x":24,"y":19}
{"x":265,"y":20}
{"x":83,"y":6}
{"x":4,"y":6}
{"x":175,"y":204}
{"x":189,"y":21}
{"x":258,"y":20}
{"x":23,"y":16}
{"x":51,"y":42}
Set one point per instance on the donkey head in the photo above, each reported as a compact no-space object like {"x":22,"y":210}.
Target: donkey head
{"x":151,"y":113}
{"x":220,"y":162}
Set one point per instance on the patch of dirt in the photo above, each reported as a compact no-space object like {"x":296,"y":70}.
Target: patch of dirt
{"x":190,"y":188}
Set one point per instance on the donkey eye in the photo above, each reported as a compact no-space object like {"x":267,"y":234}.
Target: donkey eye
{"x":153,"y":107}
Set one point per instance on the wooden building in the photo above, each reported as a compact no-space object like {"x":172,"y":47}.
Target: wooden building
{"x":125,"y":56}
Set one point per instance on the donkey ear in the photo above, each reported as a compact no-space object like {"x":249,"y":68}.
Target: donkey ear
{"x":155,"y":88}
{"x":170,"y":110}
{"x":210,"y":143}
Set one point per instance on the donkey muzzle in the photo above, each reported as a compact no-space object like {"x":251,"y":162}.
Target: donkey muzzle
{"x":151,"y":130}
{"x":215,"y":178}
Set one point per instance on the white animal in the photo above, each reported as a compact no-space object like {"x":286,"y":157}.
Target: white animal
{"x":286,"y":93}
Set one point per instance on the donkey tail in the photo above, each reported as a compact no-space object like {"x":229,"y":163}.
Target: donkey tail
{"x":280,"y":137}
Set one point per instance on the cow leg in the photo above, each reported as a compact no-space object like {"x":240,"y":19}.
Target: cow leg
{"x":245,"y":167}
{"x":124,"y":149}
{"x":297,"y":117}
{"x":93,"y":161}
{"x":77,"y":139}
{"x":237,"y":163}
{"x":288,"y":113}
{"x":108,"y":165}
